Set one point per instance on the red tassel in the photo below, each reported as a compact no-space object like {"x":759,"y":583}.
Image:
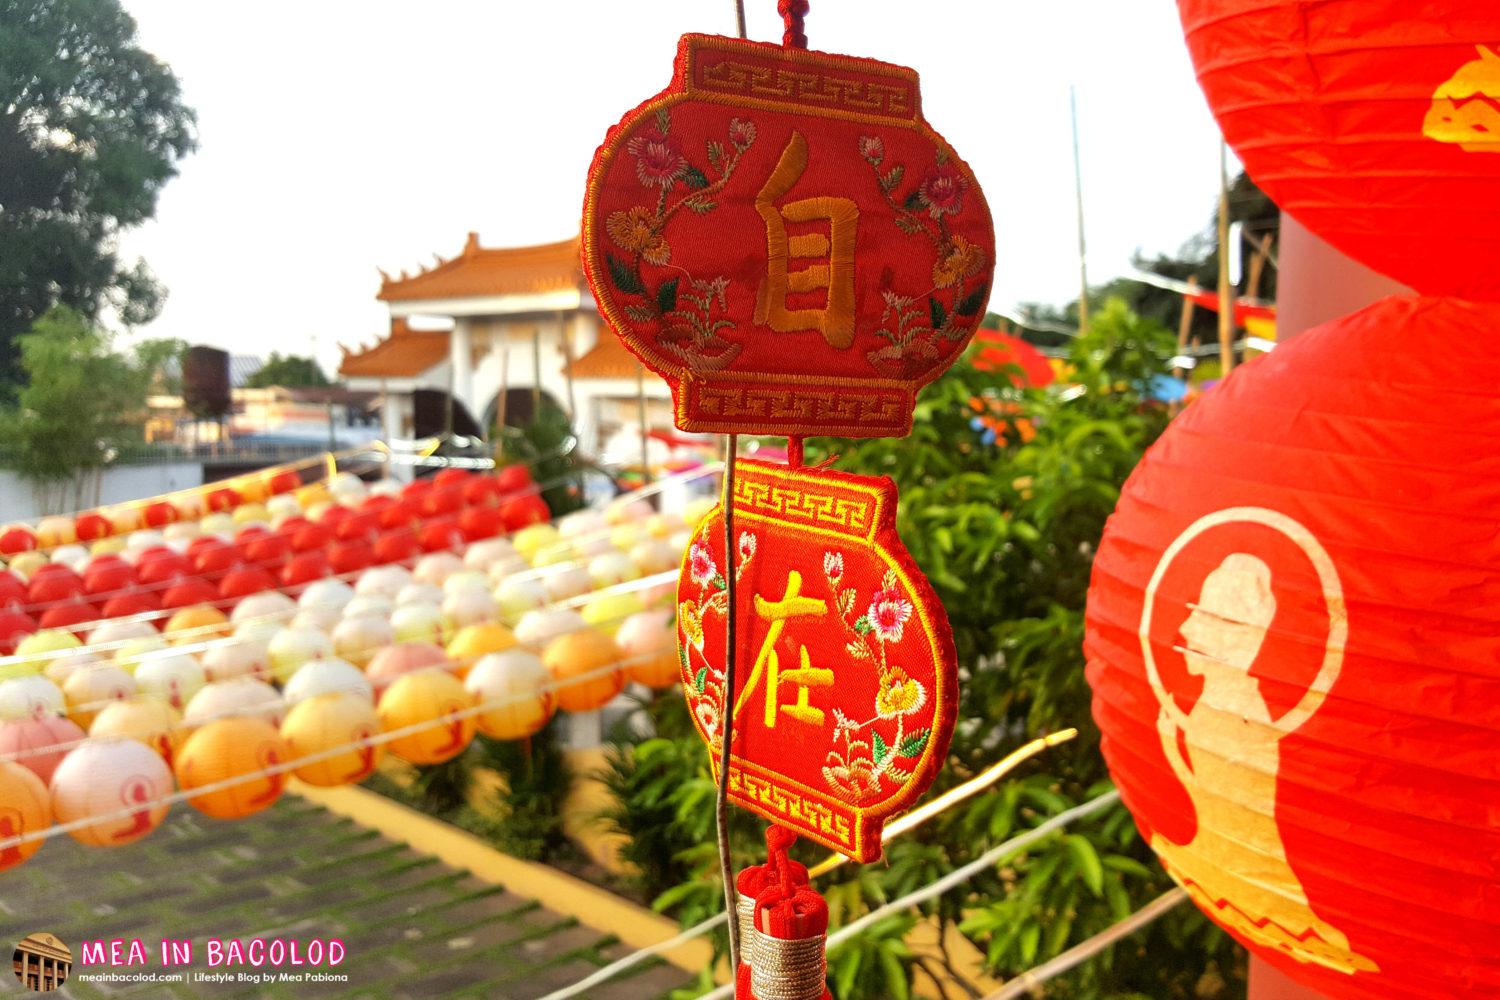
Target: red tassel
{"x":792,"y":13}
{"x":750,"y":883}
{"x":788,"y":958}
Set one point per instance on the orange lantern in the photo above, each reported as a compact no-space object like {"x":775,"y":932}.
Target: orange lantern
{"x":793,"y":259}
{"x":326,"y":722}
{"x":649,"y":642}
{"x":100,"y":779}
{"x":200,"y":622}
{"x":25,"y":807}
{"x":1374,"y":122}
{"x":428,"y":698}
{"x":1290,"y":635}
{"x":233,"y":748}
{"x":393,"y":662}
{"x":517,"y":678}
{"x":474,"y":641}
{"x":154,"y":723}
{"x":572,"y":658}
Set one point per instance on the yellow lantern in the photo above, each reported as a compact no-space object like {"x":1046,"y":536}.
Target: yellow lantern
{"x":201,"y":621}
{"x":48,"y":640}
{"x":233,"y":748}
{"x":475,"y":641}
{"x":608,"y":611}
{"x":327,"y":721}
{"x":517,"y":677}
{"x":88,"y":686}
{"x":25,"y":807}
{"x":154,"y":723}
{"x":428,"y":696}
{"x":100,"y":778}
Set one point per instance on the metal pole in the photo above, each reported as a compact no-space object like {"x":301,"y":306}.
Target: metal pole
{"x":1083,"y":267}
{"x":1226,"y":293}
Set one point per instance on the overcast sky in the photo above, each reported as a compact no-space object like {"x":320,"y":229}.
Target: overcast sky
{"x":337,"y":137}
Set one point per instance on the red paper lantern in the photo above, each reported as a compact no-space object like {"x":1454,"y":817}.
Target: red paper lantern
{"x":793,"y":258}
{"x":400,"y":514}
{"x":69,"y":616}
{"x":482,"y":491}
{"x":160,"y":568}
{"x":159,"y":514}
{"x":17,"y":539}
{"x":527,"y":509}
{"x":133,"y":602}
{"x":396,"y":546}
{"x":303,"y":569}
{"x":441,"y":500}
{"x":312,"y":538}
{"x":214,"y":558}
{"x":447,"y":478}
{"x":350,"y":557}
{"x":12,"y":591}
{"x":481,"y":522}
{"x":363,"y":526}
{"x":14,"y":626}
{"x":284,"y":481}
{"x":92,"y":526}
{"x":268,"y":551}
{"x":1291,"y":639}
{"x":334,"y":515}
{"x":513,"y":478}
{"x":1374,"y":122}
{"x":244,"y":582}
{"x":188,"y":593}
{"x":376,"y":502}
{"x":442,"y":535}
{"x":416,"y":489}
{"x":61,"y":584}
{"x":224,"y":498}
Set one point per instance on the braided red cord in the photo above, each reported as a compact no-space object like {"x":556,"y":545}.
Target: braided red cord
{"x":793,"y":12}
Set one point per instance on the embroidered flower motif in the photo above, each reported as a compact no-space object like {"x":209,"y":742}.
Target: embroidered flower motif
{"x":942,"y":190}
{"x":701,"y":564}
{"x":960,"y":260}
{"x":658,"y":163}
{"x":898,"y":694}
{"x":747,"y":545}
{"x":707,"y":711}
{"x":636,"y":230}
{"x":888,"y":613}
{"x":898,"y":303}
{"x":741,"y":133}
{"x":872,"y":149}
{"x":833,"y":567}
{"x":692,"y":623}
{"x":855,"y":781}
{"x":842,"y":723}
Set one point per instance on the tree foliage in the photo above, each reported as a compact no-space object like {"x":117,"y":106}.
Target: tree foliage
{"x":83,"y":404}
{"x":290,"y":370}
{"x":91,"y":128}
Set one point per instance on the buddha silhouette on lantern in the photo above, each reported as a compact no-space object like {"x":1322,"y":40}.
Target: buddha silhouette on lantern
{"x":1226,"y":752}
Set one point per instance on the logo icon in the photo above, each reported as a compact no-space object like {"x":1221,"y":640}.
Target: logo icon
{"x":42,"y":961}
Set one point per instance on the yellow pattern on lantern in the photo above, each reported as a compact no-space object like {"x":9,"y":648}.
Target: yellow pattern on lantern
{"x":1466,"y":108}
{"x":1236,"y":865}
{"x":778,"y":613}
{"x":836,"y":320}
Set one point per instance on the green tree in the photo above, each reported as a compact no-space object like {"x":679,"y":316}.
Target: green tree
{"x":91,"y":128}
{"x":83,"y":404}
{"x":288,"y":371}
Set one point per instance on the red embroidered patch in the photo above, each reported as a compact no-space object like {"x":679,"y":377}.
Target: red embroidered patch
{"x":846,"y":678}
{"x":782,"y":237}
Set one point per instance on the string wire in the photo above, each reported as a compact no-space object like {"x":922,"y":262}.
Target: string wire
{"x":721,"y":804}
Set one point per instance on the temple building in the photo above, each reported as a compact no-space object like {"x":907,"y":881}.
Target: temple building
{"x":42,"y":961}
{"x":503,"y":329}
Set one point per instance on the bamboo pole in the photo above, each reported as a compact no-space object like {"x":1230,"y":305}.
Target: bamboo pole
{"x":1226,"y":294}
{"x":1185,"y":326}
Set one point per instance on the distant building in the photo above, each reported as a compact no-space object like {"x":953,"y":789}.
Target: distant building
{"x":521,"y":321}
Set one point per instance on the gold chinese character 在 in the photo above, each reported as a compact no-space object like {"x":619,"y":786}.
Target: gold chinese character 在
{"x":835,"y":273}
{"x":768,"y":662}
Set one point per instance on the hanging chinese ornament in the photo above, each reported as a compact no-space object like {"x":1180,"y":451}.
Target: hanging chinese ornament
{"x":784,"y":239}
{"x":1291,"y":640}
{"x":1375,"y":122}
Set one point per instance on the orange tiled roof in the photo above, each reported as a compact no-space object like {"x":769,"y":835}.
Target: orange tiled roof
{"x":404,"y":354}
{"x":607,"y":359}
{"x":498,"y":271}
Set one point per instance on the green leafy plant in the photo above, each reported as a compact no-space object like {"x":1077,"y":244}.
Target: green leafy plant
{"x":535,"y":777}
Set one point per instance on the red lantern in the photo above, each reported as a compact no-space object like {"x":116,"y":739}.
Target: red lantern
{"x":17,"y":539}
{"x":416,"y":489}
{"x":162,"y":568}
{"x":312,"y":538}
{"x":12,"y":591}
{"x":482,"y":491}
{"x":481,"y":522}
{"x":334,"y":515}
{"x":61,"y":584}
{"x":451,"y":478}
{"x":284,"y":481}
{"x":303,"y":569}
{"x":1374,"y":122}
{"x":268,"y":551}
{"x":376,"y":502}
{"x":159,"y":514}
{"x":14,"y":626}
{"x":400,"y":514}
{"x":223,"y":499}
{"x":441,"y":500}
{"x":512,"y":478}
{"x":244,"y":582}
{"x":188,"y":593}
{"x":442,"y":535}
{"x":363,"y":526}
{"x":524,"y":510}
{"x":133,"y":602}
{"x":397,"y":546}
{"x":69,"y":616}
{"x":797,"y":259}
{"x":214,"y":558}
{"x":92,"y":526}
{"x":1291,"y":641}
{"x":350,"y":557}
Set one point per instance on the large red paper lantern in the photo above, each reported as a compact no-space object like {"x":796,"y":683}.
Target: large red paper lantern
{"x":1291,"y":636}
{"x":1374,"y":122}
{"x":782,"y":237}
{"x":91,"y":526}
